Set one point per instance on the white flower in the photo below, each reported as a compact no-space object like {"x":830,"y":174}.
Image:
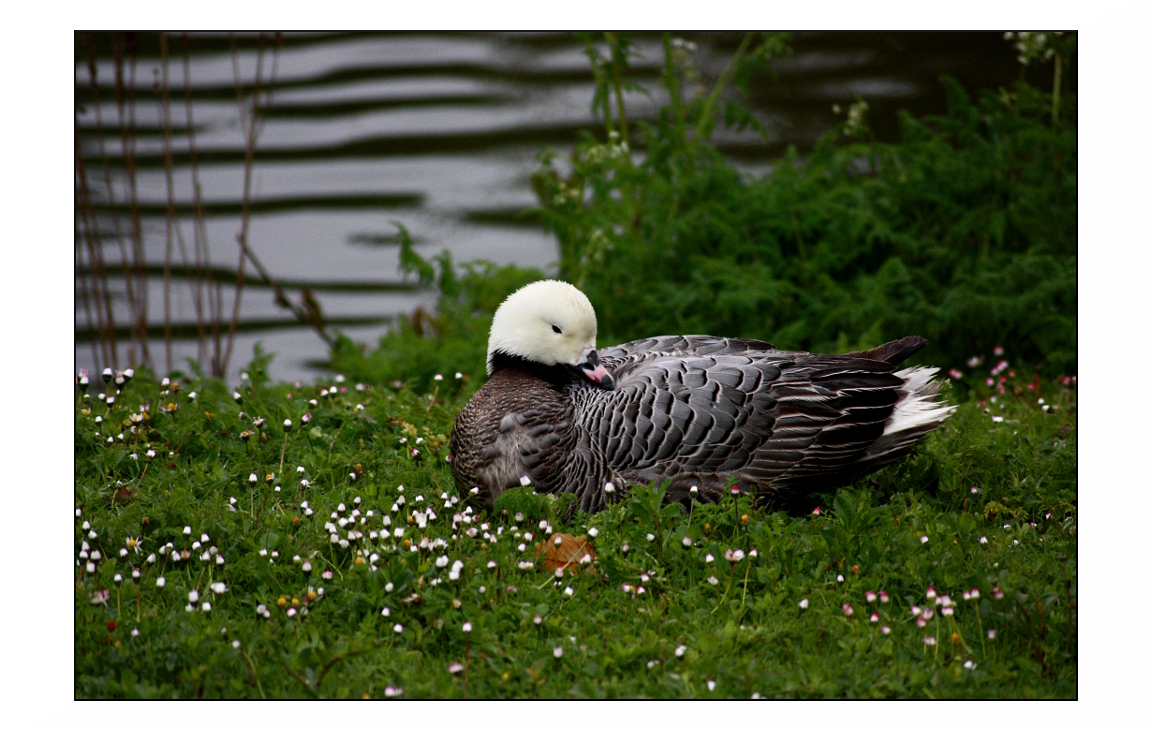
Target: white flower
{"x":687,"y":541}
{"x":525,"y":481}
{"x":193,"y":596}
{"x":160,"y":582}
{"x":206,"y":607}
{"x":187,"y":530}
{"x":218,"y":587}
{"x":681,"y":650}
{"x":592,"y":532}
{"x":804,"y":603}
{"x":557,"y":651}
{"x":609,"y":488}
{"x":711,"y":685}
{"x":398,"y":628}
{"x":568,"y":591}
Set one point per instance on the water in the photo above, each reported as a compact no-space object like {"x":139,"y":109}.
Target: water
{"x":437,"y":132}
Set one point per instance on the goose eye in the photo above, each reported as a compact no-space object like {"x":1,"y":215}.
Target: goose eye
{"x":556,"y":329}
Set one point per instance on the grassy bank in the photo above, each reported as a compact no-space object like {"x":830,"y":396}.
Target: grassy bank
{"x":221,"y":553}
{"x":337,"y":560}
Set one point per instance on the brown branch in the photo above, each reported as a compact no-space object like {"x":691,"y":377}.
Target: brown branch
{"x":100,"y":296}
{"x":247,"y":123}
{"x":133,"y":304}
{"x":166,"y":126}
{"x":125,"y":97}
{"x":199,"y":231}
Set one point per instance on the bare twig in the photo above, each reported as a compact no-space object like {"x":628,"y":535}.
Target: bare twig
{"x":133,"y":304}
{"x":166,"y":126}
{"x":247,"y":124}
{"x":101,"y":299}
{"x":199,"y":231}
{"x":125,"y":100}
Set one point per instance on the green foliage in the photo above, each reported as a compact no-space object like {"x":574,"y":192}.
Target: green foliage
{"x":650,"y":591}
{"x":452,"y":339}
{"x":964,"y":232}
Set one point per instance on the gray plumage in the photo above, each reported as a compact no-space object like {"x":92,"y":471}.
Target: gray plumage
{"x":698,"y":411}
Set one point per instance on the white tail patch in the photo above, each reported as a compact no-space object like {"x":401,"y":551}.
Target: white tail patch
{"x":916,"y":407}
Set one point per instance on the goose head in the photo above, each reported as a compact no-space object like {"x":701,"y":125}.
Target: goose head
{"x":551,"y":323}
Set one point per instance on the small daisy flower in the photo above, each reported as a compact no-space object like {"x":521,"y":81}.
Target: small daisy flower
{"x":804,"y":603}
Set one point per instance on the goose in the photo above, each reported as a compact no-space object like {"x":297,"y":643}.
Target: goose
{"x":694,"y":412}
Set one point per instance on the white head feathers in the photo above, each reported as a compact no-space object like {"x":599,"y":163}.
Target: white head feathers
{"x":547,"y":322}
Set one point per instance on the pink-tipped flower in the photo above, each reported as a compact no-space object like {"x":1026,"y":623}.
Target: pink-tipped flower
{"x":883,"y":597}
{"x":931,"y":593}
{"x":455,"y":668}
{"x":991,"y":634}
{"x":874,"y":618}
{"x":929,"y":640}
{"x":847,"y":608}
{"x":975,"y":593}
{"x":997,"y":592}
{"x":816,"y":511}
{"x":870,"y":596}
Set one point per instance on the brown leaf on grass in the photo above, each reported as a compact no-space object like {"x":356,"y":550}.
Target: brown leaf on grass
{"x":563,"y":550}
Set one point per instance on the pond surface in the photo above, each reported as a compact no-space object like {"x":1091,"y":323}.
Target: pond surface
{"x":437,"y":132}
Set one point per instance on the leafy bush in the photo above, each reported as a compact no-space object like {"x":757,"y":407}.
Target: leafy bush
{"x":963,"y":232}
{"x":453,"y":339}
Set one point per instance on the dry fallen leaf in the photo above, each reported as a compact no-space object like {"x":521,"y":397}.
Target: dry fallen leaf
{"x":567,"y":554}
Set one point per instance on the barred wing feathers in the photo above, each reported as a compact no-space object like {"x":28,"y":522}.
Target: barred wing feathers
{"x":700,"y":410}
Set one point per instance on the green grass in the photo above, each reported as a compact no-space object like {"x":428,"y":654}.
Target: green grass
{"x":746,"y":633}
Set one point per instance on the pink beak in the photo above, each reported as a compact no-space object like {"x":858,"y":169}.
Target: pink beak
{"x":594,"y":370}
